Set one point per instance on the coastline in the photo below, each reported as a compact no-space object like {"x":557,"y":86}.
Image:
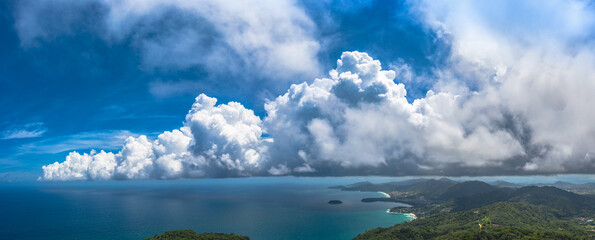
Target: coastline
{"x":410,"y":216}
{"x":385,"y":194}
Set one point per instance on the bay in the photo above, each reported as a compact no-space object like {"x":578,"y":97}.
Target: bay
{"x":269,"y":208}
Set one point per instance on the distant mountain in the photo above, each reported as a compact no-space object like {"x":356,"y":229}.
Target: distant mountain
{"x":383,"y":187}
{"x":409,"y":182}
{"x":192,"y":235}
{"x":562,"y":183}
{"x":501,"y":183}
{"x":501,"y":220}
{"x":419,"y":192}
{"x":466,"y":189}
{"x":565,"y":203}
{"x":478,"y":200}
{"x":418,"y":184}
{"x":366,"y":183}
{"x":432,"y":188}
{"x":583,"y":189}
{"x":354,"y":186}
{"x":455,"y":196}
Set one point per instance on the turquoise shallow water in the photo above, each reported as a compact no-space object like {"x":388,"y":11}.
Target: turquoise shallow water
{"x":262,"y":208}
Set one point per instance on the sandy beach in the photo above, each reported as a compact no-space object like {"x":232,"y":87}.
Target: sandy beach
{"x":411,"y":216}
{"x":385,"y":194}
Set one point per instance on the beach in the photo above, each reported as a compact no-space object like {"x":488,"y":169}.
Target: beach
{"x":385,"y":194}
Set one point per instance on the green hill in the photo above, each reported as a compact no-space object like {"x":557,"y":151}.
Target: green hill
{"x":432,"y":188}
{"x":416,"y":188}
{"x":192,"y":235}
{"x":466,"y":189}
{"x":564,"y":203}
{"x":504,"y":213}
{"x":478,"y":200}
{"x":503,"y":220}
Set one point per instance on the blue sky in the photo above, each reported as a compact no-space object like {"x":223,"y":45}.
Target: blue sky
{"x":78,"y":76}
{"x":77,"y":84}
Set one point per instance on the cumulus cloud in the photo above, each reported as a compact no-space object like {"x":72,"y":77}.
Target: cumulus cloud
{"x":356,"y":119}
{"x":215,"y":141}
{"x":227,"y":138}
{"x":532,"y":60}
{"x":512,"y":98}
{"x":230,"y":40}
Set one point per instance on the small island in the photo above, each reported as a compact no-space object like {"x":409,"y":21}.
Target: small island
{"x":335,"y":202}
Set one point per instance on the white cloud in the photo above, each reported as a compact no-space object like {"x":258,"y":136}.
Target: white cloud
{"x":92,"y":166}
{"x":136,"y":159}
{"x":244,"y":41}
{"x":279,"y":170}
{"x":112,"y":139}
{"x":357,"y":118}
{"x":101,"y":166}
{"x":223,"y":140}
{"x":512,"y":98}
{"x":30,"y":130}
{"x":360,"y":118}
{"x":227,"y":138}
{"x":531,"y":59}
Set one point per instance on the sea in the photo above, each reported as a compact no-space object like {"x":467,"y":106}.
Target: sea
{"x":263,"y":208}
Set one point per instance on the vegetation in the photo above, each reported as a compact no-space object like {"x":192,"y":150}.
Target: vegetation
{"x":192,"y":235}
{"x":419,"y":192}
{"x":466,"y":189}
{"x":563,"y":203}
{"x":477,"y":210}
{"x":413,"y":189}
{"x":432,"y":189}
{"x":429,"y":196}
{"x":502,"y":220}
{"x":335,"y":202}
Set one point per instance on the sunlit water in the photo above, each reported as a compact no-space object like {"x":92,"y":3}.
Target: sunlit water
{"x":262,"y":208}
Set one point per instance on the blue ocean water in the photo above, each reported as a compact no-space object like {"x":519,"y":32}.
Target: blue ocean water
{"x":263,"y":208}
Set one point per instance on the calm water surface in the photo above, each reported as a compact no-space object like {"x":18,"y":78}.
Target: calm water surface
{"x":262,"y":208}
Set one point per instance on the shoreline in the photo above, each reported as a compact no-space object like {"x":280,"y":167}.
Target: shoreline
{"x":410,"y":216}
{"x":385,"y":194}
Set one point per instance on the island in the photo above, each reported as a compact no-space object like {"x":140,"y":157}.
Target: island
{"x":334,"y":202}
{"x":192,"y":235}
